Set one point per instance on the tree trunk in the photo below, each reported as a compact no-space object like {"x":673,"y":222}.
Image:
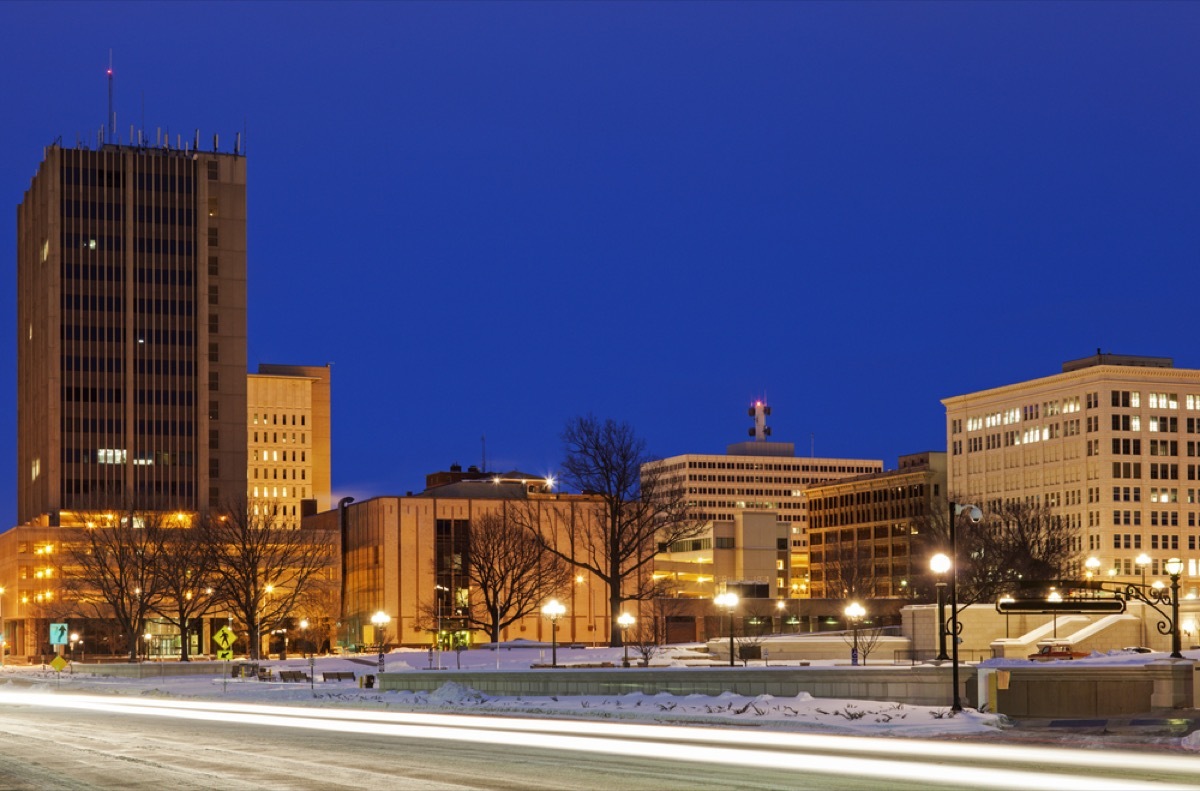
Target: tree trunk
{"x":133,"y":645}
{"x":615,"y":638}
{"x":184,"y":640}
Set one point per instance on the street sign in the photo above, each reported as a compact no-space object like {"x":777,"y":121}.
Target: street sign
{"x":225,"y":653}
{"x":225,"y":637}
{"x":58,"y":663}
{"x":58,"y":634}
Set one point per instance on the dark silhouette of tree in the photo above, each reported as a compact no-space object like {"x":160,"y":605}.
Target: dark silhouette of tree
{"x":263,"y":569}
{"x":117,"y":563}
{"x":632,"y":515}
{"x":188,"y":576}
{"x":1015,"y":541}
{"x":510,"y":574}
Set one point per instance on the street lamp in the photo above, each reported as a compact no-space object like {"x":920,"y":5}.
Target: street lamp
{"x":625,"y":621}
{"x":1142,"y":561}
{"x":975,"y":515}
{"x":303,"y":636}
{"x":146,"y":641}
{"x":380,"y":620}
{"x":74,"y":639}
{"x":1006,"y":600}
{"x":1055,"y":598}
{"x":1174,"y":567}
{"x":3,"y":632}
{"x":940,"y":564}
{"x":1093,"y":568}
{"x":729,"y":600}
{"x":552,"y":610}
{"x":854,"y":612}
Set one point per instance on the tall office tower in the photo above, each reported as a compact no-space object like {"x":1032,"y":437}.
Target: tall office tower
{"x":1110,"y":446}
{"x":131,"y":321}
{"x":289,"y":440}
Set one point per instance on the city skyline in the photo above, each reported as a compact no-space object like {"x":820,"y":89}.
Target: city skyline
{"x":490,"y":218}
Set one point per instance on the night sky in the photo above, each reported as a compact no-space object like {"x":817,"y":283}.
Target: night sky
{"x":490,"y":217}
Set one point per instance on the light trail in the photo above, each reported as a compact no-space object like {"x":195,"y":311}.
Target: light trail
{"x":765,"y":749}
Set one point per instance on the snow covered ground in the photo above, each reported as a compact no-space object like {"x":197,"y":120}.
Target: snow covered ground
{"x":799,"y":713}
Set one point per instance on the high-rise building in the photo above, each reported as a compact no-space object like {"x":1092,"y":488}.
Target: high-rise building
{"x":131,"y":277}
{"x":1111,"y":445}
{"x":755,"y":476}
{"x":289,"y":423}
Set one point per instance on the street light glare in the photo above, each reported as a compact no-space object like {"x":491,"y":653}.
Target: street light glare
{"x":939,"y":563}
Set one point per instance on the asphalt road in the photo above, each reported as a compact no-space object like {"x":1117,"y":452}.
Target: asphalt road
{"x":110,"y":743}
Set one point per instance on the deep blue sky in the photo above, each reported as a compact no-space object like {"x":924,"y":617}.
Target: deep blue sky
{"x":493,"y":216}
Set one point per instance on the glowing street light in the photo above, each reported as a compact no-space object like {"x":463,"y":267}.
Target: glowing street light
{"x":380,"y":620}
{"x":728,"y":600}
{"x":939,"y":564}
{"x":625,"y":621}
{"x":553,"y":609}
{"x":1174,"y":567}
{"x":854,"y":613}
{"x":976,"y":516}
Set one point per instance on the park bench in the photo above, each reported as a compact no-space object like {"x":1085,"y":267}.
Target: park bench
{"x":338,"y":675}
{"x":293,"y":676}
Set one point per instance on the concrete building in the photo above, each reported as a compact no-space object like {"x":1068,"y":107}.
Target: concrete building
{"x":1111,"y":444}
{"x":408,"y":556}
{"x":131,"y":341}
{"x":288,"y":423}
{"x":759,"y":476}
{"x":861,"y":529}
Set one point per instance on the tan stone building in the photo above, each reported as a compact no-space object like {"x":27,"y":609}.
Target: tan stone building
{"x":408,"y":557}
{"x":861,"y":529}
{"x":131,"y":343}
{"x":1111,"y":444}
{"x":288,"y":423}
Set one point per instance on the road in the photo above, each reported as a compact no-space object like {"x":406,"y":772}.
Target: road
{"x":97,"y":742}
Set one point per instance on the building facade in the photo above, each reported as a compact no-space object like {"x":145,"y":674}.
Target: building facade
{"x":861,"y":530}
{"x":288,"y":423}
{"x":757,"y":476}
{"x":1111,"y":445}
{"x":131,"y":317}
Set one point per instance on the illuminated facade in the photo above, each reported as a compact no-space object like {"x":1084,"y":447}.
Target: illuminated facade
{"x":861,"y":529}
{"x":131,"y":343}
{"x":1111,"y":444}
{"x":757,"y":476}
{"x":289,"y":437}
{"x":408,"y":556}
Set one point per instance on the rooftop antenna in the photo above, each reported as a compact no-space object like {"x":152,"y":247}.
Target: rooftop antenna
{"x":760,"y":412}
{"x":112,"y":116}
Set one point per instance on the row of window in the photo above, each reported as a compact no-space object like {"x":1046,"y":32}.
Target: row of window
{"x":277,"y":419}
{"x":275,"y":476}
{"x":274,"y":437}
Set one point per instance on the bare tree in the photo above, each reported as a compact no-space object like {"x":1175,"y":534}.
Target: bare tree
{"x":1016,"y":540}
{"x":849,"y":570}
{"x":509,"y":573}
{"x":117,"y":569}
{"x":865,"y":638}
{"x":263,"y":568}
{"x":632,"y":515}
{"x":188,"y":569}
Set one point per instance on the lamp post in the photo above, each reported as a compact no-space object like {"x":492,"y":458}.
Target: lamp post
{"x":3,"y":633}
{"x":552,"y":610}
{"x":74,"y":639}
{"x":975,"y":515}
{"x":1174,"y":567}
{"x":728,"y":600}
{"x":1005,"y":600}
{"x":1054,"y":598}
{"x":1141,"y":561}
{"x":625,"y":621}
{"x":940,"y":564}
{"x":854,"y":613}
{"x":303,"y":636}
{"x":380,"y":621}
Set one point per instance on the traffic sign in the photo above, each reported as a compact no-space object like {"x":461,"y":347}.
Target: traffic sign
{"x":58,"y":634}
{"x":225,"y":637}
{"x":225,"y":653}
{"x":58,"y":663}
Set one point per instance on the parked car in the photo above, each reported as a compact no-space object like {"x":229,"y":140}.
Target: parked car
{"x":1049,"y":651}
{"x":1137,"y":649}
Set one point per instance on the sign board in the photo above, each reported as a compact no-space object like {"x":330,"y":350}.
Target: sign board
{"x":58,"y":634}
{"x":58,"y":663}
{"x":225,"y":637}
{"x":224,"y":653}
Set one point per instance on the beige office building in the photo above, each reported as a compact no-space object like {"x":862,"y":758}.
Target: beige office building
{"x":131,"y":331}
{"x":1111,"y":444}
{"x":758,"y":476}
{"x":288,"y":425}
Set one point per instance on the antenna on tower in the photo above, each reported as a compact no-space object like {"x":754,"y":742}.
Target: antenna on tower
{"x":112,"y":116}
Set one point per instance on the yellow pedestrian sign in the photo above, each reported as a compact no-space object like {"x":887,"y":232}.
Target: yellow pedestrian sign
{"x":225,"y":638}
